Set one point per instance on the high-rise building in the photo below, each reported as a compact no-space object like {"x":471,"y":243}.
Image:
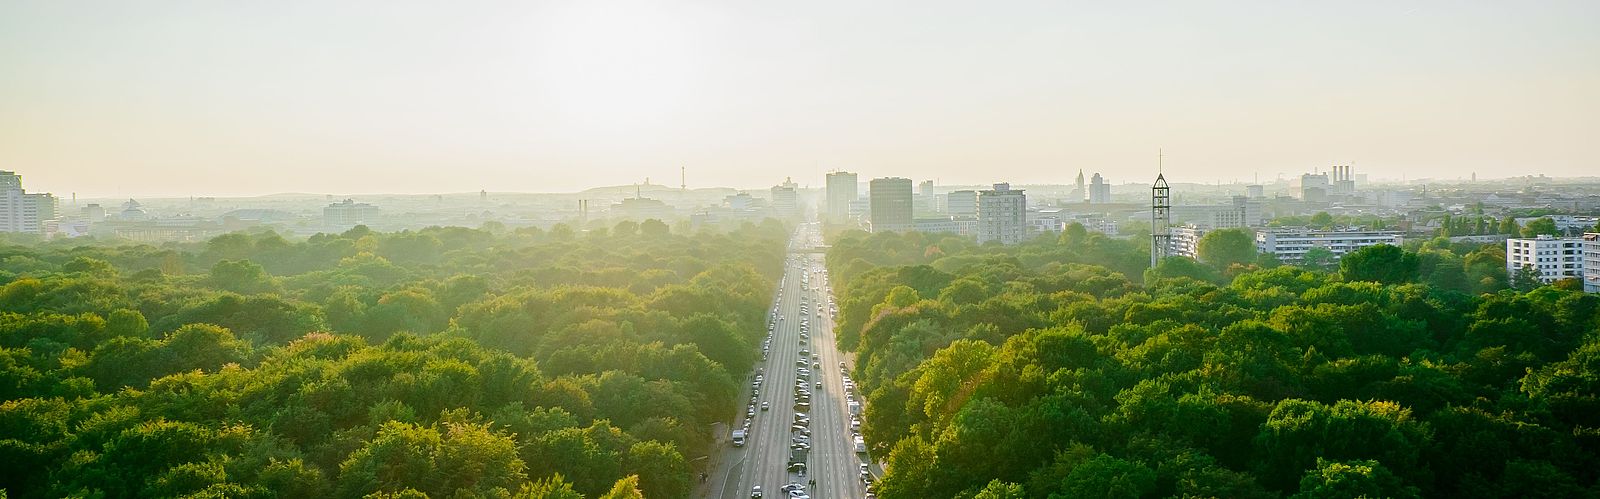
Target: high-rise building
{"x":962,"y":204}
{"x":21,"y":211}
{"x":891,"y":204}
{"x":1555,"y":258}
{"x":785,"y":200}
{"x":1099,"y":190}
{"x":1002,"y":215}
{"x":1255,"y":191}
{"x":842,"y":191}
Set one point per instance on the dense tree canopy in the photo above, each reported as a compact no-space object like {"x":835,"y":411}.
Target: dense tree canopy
{"x":1040,"y":371}
{"x":445,"y":362}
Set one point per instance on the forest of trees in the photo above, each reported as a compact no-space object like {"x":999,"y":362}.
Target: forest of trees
{"x":1061,"y":368}
{"x":445,"y":362}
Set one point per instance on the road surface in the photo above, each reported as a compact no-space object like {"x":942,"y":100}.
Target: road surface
{"x":832,"y":460}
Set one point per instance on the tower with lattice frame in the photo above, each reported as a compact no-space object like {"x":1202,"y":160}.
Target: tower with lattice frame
{"x":1160,"y":217}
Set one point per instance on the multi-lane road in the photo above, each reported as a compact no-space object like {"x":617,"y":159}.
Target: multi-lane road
{"x":802,"y":337}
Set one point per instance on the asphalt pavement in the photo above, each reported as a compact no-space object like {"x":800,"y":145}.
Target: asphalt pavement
{"x":764,"y":460}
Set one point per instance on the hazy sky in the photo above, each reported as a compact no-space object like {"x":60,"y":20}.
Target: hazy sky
{"x":144,"y":98}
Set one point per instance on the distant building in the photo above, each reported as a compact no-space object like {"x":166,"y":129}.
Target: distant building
{"x":1241,"y":212}
{"x":1291,"y":245}
{"x":21,"y":211}
{"x":1556,"y":258}
{"x":349,"y":213}
{"x":924,"y":202}
{"x":1314,"y":187}
{"x":1099,"y":190}
{"x":132,"y":211}
{"x":962,"y":204}
{"x":93,"y":213}
{"x":958,"y":226}
{"x":641,"y":208}
{"x":785,"y":201}
{"x":891,"y":204}
{"x":1078,"y":190}
{"x":1255,"y":191}
{"x":1591,"y":262}
{"x":842,"y":191}
{"x":1002,"y":215}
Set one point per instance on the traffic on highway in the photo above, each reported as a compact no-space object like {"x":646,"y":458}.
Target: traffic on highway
{"x":800,"y":434}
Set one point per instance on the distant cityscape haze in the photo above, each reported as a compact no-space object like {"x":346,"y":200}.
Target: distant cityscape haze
{"x":143,"y":99}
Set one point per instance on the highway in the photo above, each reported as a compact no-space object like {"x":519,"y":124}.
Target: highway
{"x":831,"y":460}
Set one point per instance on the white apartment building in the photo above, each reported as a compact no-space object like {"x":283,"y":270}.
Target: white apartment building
{"x":1556,"y":257}
{"x":1185,"y":241}
{"x":21,"y":211}
{"x":1291,"y":245}
{"x":1591,"y":262}
{"x":1002,"y":215}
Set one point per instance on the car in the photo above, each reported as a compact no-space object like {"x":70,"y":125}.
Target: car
{"x":792,"y":486}
{"x":765,"y":406}
{"x":755,"y":492}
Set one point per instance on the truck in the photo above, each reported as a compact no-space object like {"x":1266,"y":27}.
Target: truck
{"x":861,"y":445}
{"x":855,"y":408}
{"x":738,"y":438}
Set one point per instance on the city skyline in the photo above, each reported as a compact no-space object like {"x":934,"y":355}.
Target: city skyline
{"x":120,"y":100}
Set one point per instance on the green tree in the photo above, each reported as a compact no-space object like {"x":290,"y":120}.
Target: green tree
{"x":1526,"y":278}
{"x":1226,"y":247}
{"x":1319,"y":258}
{"x":1543,"y":226}
{"x":1382,"y":263}
{"x":1365,"y":478}
{"x":1322,"y":220}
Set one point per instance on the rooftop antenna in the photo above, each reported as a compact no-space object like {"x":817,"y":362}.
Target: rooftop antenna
{"x":683,"y":178}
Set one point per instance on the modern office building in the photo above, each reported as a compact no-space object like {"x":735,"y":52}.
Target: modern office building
{"x":1291,"y":245}
{"x":1591,"y":262}
{"x":962,"y":204}
{"x":349,"y":213}
{"x":21,"y":211}
{"x":1099,"y":190}
{"x":842,"y":191}
{"x":1556,"y":258}
{"x":1002,"y":215}
{"x":891,"y":204}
